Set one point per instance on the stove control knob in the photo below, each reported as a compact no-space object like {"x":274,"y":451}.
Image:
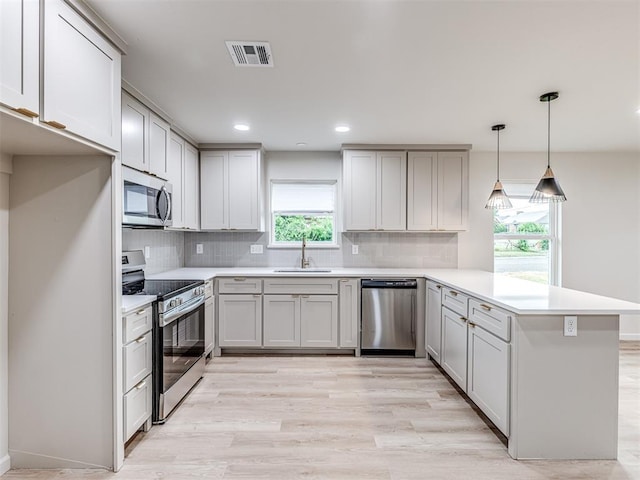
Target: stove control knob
{"x":173,"y":303}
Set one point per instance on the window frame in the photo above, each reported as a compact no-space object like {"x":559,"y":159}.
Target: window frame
{"x":554,"y":235}
{"x":310,"y":244}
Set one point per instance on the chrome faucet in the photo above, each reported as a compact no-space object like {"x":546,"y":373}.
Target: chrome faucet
{"x":304,"y":262}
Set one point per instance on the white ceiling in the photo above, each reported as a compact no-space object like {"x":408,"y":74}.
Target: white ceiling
{"x":396,"y":71}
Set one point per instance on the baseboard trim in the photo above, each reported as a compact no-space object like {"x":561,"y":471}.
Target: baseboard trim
{"x":20,"y":459}
{"x":634,"y":337}
{"x":5,"y":464}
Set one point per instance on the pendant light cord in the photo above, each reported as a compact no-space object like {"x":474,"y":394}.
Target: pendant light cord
{"x":498,"y":150}
{"x":549,"y":134}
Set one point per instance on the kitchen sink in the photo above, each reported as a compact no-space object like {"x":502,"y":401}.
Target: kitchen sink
{"x":302,"y":270}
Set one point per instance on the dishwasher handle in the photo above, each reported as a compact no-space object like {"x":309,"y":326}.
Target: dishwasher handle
{"x":390,"y":283}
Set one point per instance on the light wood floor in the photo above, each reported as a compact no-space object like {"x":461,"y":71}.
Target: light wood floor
{"x":345,"y":418}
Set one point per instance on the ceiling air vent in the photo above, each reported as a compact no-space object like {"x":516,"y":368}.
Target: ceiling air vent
{"x":250,"y":54}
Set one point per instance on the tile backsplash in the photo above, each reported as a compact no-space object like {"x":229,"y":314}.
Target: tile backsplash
{"x":386,"y":250}
{"x":166,"y":248}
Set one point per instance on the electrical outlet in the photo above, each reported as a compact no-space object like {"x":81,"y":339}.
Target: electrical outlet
{"x":354,"y":249}
{"x":199,"y":249}
{"x":147,"y":251}
{"x":256,"y":248}
{"x":570,"y":326}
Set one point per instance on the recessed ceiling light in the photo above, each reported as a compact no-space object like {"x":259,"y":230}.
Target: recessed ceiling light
{"x":342,"y":129}
{"x":241,"y":126}
{"x":301,"y":144}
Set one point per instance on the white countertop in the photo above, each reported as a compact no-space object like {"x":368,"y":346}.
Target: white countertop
{"x":518,"y":296}
{"x":133,"y":302}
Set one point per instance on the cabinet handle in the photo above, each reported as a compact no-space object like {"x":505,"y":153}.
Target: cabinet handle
{"x":26,"y":112}
{"x":465,"y":320}
{"x":295,"y":296}
{"x":55,"y":124}
{"x":304,"y":296}
{"x":455,"y":294}
{"x":140,"y":340}
{"x":471,"y":324}
{"x":344,"y":280}
{"x":141,"y":384}
{"x":256,"y":295}
{"x":239,"y":279}
{"x":486,"y":307}
{"x":141,"y":312}
{"x":438,"y":287}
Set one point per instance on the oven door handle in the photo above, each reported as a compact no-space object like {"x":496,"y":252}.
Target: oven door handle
{"x":183,"y":309}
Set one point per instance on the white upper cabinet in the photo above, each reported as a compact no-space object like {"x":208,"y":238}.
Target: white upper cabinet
{"x":230,"y":190}
{"x":145,"y":138}
{"x":175,"y":175}
{"x":453,"y":190}
{"x":19,"y":55}
{"x":183,"y":174}
{"x":437,"y":191}
{"x":191,"y":188}
{"x":375,"y":190}
{"x":81,"y":91}
{"x":159,"y":132}
{"x":422,"y":191}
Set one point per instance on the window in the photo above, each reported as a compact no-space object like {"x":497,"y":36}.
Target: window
{"x":526,"y":237}
{"x":303,"y":209}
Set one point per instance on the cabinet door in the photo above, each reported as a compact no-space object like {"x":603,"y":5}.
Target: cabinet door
{"x":434,"y":321}
{"x":391,"y":198}
{"x":244,"y":190}
{"x":159,"y":132}
{"x":136,"y":359}
{"x":454,"y":346}
{"x":81,"y":77}
{"x":240,"y":320}
{"x":319,"y":321}
{"x":348,"y":319}
{"x":175,"y":175}
{"x":19,"y":54}
{"x":453,"y":186}
{"x":359,"y":190}
{"x":137,"y":407}
{"x":191,"y":188}
{"x":214,"y":211}
{"x":488,"y":376}
{"x":281,"y":323}
{"x":422,"y":191}
{"x":135,"y":131}
{"x":209,"y":321}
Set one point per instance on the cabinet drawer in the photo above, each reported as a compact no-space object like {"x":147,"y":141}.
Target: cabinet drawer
{"x":137,"y":407}
{"x":136,"y":324}
{"x":240,"y":285}
{"x":297,"y":285}
{"x":454,"y":300}
{"x":491,"y":318}
{"x":137,"y":361}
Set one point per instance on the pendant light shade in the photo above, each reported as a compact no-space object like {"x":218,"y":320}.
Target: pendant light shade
{"x":498,"y":197}
{"x":548,"y":189}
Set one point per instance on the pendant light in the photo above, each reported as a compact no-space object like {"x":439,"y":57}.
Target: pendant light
{"x":548,"y":189}
{"x":498,"y":197}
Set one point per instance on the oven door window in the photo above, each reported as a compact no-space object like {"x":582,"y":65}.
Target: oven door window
{"x":183,"y":345}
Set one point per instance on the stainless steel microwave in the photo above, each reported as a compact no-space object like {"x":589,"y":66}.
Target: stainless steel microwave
{"x":146,"y":200}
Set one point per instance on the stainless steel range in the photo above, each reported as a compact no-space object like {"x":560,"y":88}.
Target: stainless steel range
{"x":178,"y":332}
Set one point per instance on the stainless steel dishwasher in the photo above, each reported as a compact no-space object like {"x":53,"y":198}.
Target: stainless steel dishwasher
{"x":389,"y":316}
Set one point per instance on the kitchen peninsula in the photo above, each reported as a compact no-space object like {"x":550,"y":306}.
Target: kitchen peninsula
{"x":543,"y":386}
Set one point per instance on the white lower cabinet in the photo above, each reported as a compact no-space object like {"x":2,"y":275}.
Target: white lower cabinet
{"x":434,"y":320}
{"x":349,"y":319}
{"x":137,"y":370}
{"x":488,"y":375}
{"x":240,"y":320}
{"x":300,"y":321}
{"x":281,"y":321}
{"x":319,"y":321}
{"x":454,"y":346}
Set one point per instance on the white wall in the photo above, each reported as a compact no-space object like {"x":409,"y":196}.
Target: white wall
{"x":600,"y":220}
{"x":5,"y":169}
